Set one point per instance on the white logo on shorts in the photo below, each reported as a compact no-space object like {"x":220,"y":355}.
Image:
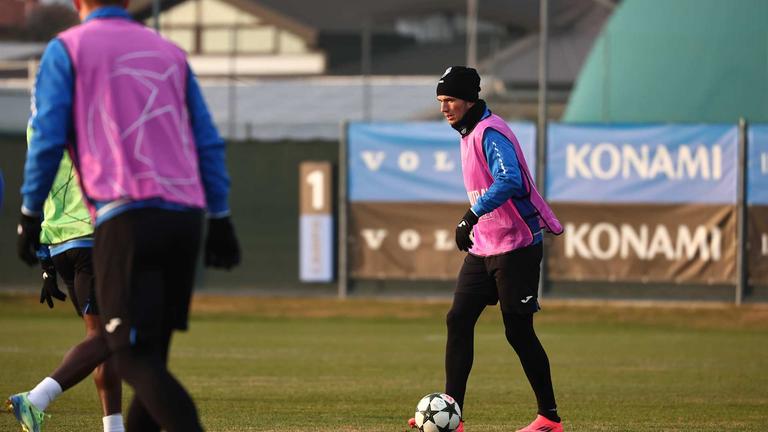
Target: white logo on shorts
{"x":525,"y":300}
{"x":112,"y":325}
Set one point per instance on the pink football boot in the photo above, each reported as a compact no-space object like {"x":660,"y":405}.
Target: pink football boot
{"x":542,"y":424}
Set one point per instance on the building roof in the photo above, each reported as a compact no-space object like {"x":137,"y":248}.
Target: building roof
{"x":142,"y":10}
{"x":574,"y":25}
{"x":345,"y":15}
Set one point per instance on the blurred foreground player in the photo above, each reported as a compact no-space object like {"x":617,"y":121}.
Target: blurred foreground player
{"x":125,"y":104}
{"x":507,"y":219}
{"x":67,"y":240}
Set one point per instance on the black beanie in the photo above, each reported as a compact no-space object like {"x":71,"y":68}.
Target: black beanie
{"x":459,"y":82}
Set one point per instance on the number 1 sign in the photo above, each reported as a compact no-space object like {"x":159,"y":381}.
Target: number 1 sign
{"x":316,"y":239}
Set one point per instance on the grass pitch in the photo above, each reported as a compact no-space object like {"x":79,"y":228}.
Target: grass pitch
{"x":255,"y":364}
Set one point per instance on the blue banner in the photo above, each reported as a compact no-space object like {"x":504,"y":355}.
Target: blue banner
{"x":757,"y":160}
{"x":414,"y":162}
{"x":642,"y":164}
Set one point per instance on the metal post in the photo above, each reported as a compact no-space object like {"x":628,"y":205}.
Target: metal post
{"x":365,"y":69}
{"x":741,"y":215}
{"x":156,"y":15}
{"x":231,"y":89}
{"x":472,"y":33}
{"x":343,"y":268}
{"x":541,"y":135}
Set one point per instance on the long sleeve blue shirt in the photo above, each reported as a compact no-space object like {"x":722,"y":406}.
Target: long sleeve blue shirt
{"x":505,"y":170}
{"x":52,"y":124}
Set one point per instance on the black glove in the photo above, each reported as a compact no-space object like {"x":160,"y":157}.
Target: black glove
{"x":221,"y":247}
{"x":28,"y":241}
{"x":463,"y":229}
{"x":50,"y":288}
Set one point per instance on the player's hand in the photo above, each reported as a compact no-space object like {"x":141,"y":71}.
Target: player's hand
{"x":50,"y":288}
{"x":28,"y":240}
{"x":221,"y":247}
{"x":463,"y":229}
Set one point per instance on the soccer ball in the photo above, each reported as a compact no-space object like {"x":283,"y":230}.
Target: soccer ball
{"x":437,"y":412}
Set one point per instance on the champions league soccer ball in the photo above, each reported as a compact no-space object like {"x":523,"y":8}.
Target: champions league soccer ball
{"x":437,"y":412}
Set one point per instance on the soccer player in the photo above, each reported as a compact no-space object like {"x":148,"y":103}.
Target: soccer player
{"x":67,"y":239}
{"x":125,"y":104}
{"x":507,"y":219}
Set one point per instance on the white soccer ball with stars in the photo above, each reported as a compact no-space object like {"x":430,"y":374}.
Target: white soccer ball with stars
{"x":437,"y":412}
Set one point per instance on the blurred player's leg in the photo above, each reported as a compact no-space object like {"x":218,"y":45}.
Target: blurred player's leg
{"x":139,"y":418}
{"x":135,"y":253}
{"x":154,"y":386}
{"x":74,"y":266}
{"x":107,"y":382}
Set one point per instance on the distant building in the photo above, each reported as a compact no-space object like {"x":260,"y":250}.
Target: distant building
{"x":237,"y":37}
{"x":249,"y":38}
{"x":15,"y":12}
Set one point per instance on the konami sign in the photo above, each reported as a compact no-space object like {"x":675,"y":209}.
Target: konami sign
{"x":607,"y":241}
{"x":642,"y":164}
{"x":690,"y":243}
{"x":608,"y":161}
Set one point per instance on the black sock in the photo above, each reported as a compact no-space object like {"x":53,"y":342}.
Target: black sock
{"x":551,"y":414}
{"x":522,"y":337}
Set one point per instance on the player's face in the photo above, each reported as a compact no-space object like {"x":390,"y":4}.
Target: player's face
{"x":453,"y":108}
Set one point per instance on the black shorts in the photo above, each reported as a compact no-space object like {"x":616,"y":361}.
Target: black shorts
{"x":511,"y":279}
{"x":76,"y":270}
{"x":145,"y":268}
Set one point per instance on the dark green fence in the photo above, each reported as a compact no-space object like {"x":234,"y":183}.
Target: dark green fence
{"x":264,"y":203}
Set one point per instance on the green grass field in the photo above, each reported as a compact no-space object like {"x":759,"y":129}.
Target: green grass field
{"x":255,"y":364}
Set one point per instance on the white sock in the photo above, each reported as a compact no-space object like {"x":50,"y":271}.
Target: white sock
{"x":45,"y":392}
{"x":113,"y":423}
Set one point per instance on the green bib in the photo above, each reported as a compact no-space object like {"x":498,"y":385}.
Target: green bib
{"x":65,"y":216}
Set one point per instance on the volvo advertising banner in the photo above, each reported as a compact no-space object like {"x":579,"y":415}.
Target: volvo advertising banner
{"x":650,"y":203}
{"x":639,"y":203}
{"x":757,"y":202}
{"x":406,"y":196}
